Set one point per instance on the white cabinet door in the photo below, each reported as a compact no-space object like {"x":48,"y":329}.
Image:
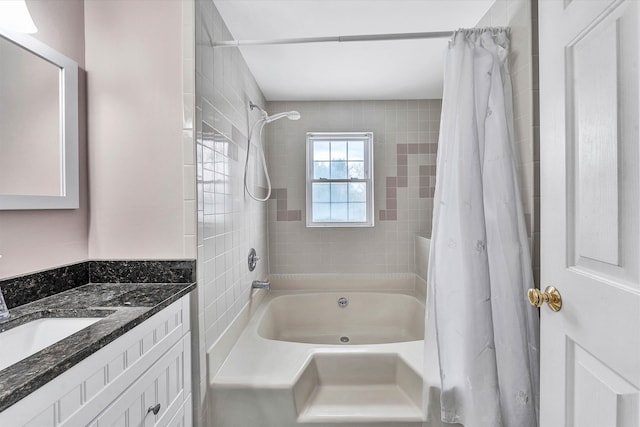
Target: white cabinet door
{"x":81,"y":393}
{"x":161,"y":387}
{"x":183,"y":417}
{"x":590,"y":221}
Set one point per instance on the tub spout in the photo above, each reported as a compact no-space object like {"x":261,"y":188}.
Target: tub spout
{"x":260,"y":284}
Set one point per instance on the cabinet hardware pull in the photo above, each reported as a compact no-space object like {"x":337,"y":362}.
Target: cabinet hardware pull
{"x":154,"y":409}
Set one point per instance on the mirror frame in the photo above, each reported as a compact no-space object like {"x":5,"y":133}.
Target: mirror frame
{"x":69,"y":198}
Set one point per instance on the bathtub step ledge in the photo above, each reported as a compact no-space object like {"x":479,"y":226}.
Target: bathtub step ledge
{"x":358,"y":388}
{"x":360,"y":404}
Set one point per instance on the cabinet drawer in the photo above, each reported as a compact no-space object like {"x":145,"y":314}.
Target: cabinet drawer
{"x":163,"y":385}
{"x":75,"y":397}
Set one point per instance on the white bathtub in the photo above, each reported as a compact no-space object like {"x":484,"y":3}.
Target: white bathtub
{"x":289,"y":367}
{"x":366,"y":318}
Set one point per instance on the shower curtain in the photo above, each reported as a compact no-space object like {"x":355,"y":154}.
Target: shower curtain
{"x":480,"y":267}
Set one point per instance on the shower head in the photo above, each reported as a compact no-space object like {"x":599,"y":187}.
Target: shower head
{"x":291,"y":115}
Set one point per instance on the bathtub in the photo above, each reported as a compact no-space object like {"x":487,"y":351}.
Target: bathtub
{"x":325,"y":359}
{"x":343,"y":318}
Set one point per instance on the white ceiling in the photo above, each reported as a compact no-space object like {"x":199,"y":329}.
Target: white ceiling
{"x":347,"y":71}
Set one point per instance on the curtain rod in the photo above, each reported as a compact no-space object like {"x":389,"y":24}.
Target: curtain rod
{"x":339,"y":39}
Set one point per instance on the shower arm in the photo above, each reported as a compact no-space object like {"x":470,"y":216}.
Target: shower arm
{"x":253,"y":106}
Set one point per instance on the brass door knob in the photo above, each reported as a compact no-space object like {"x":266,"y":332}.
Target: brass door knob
{"x":550,"y":295}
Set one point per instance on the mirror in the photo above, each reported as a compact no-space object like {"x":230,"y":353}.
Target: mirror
{"x":38,"y":125}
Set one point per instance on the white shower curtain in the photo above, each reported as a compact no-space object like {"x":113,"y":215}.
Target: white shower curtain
{"x":480,"y":267}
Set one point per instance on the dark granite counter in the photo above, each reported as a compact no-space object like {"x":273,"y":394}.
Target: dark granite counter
{"x":121,"y":307}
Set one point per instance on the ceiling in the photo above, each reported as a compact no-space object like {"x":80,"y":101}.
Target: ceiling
{"x":409,"y":69}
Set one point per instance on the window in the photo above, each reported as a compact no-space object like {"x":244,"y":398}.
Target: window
{"x":339,"y":179}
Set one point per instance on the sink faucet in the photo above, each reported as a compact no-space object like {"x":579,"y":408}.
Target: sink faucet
{"x":260,"y":284}
{"x":4,"y":311}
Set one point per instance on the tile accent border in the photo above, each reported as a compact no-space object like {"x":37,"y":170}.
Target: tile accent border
{"x":427,"y":186}
{"x":427,"y":181}
{"x":282,"y":212}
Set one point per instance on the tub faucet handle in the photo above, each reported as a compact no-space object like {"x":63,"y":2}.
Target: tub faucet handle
{"x":252,"y":259}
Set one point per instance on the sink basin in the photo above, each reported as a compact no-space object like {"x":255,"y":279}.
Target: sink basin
{"x":25,"y":340}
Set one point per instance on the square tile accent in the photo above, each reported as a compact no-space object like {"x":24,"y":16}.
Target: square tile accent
{"x":392,"y":192}
{"x":392,"y":204}
{"x":294,"y":215}
{"x":426,"y":175}
{"x":282,"y":211}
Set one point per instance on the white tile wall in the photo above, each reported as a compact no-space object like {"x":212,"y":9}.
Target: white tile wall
{"x":228,"y":224}
{"x":389,"y":246}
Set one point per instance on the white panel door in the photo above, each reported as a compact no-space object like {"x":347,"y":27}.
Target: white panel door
{"x":590,"y":222}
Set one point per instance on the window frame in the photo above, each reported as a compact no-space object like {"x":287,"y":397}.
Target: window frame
{"x":367,"y":138}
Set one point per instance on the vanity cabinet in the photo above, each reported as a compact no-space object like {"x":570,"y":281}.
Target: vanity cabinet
{"x":142,"y":378}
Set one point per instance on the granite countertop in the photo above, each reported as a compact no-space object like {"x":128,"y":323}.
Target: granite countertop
{"x":121,"y":307}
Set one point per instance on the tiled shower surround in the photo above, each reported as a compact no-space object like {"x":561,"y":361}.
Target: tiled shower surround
{"x":405,"y":134}
{"x":228,"y":223}
{"x":405,"y":150}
